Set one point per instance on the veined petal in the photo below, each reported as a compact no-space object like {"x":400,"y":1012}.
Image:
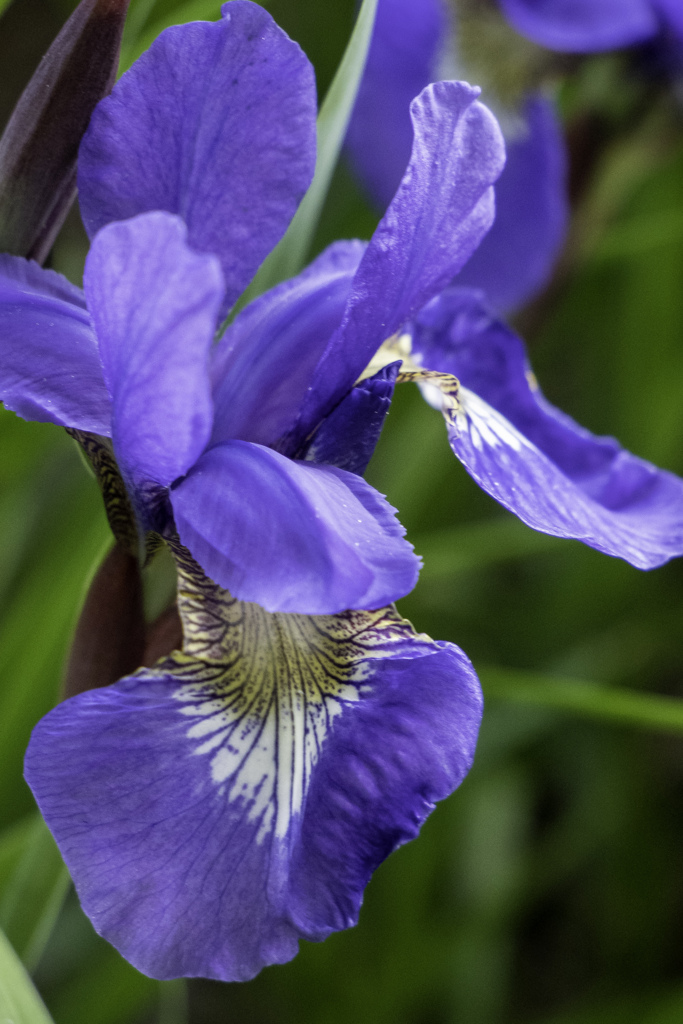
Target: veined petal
{"x":292,"y":536}
{"x":237,"y":797}
{"x":582,"y":26}
{"x":216,"y":123}
{"x":401,"y":62}
{"x":553,"y":474}
{"x":263,"y":366}
{"x":517,"y":255}
{"x":154,"y":303}
{"x":49,"y":367}
{"x":442,"y":210}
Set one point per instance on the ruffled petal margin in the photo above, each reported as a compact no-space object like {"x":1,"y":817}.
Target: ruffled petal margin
{"x":539,"y":463}
{"x":292,"y":536}
{"x":237,"y":797}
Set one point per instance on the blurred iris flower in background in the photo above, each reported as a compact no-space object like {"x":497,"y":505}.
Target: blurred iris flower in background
{"x":587,"y":26}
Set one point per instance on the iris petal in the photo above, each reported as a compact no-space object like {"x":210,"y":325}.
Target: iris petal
{"x":216,"y":123}
{"x":402,"y":60}
{"x":292,"y":536}
{"x":348,"y":436}
{"x":517,"y":255}
{"x":154,"y":303}
{"x":217,"y":808}
{"x":582,"y":26}
{"x":549,"y":471}
{"x":50,"y":366}
{"x":439,"y":215}
{"x":673,"y":12}
{"x":263,"y":366}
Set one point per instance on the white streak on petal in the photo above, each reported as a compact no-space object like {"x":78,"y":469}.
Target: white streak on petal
{"x":485,"y":426}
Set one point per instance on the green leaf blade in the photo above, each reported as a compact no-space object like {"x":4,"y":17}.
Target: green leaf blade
{"x":289,"y":257}
{"x":19,"y":1000}
{"x":617,"y":706}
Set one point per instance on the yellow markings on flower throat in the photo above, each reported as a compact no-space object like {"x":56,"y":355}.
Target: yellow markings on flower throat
{"x":259,"y":691}
{"x":441,"y":390}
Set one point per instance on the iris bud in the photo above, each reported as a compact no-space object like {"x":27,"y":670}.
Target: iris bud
{"x":39,"y":147}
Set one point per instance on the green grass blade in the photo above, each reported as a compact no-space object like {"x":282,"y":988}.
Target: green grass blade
{"x":588,"y":700}
{"x":173,"y":1002}
{"x":34,"y":894}
{"x":290,"y":255}
{"x":19,"y":1001}
{"x":47,"y":920}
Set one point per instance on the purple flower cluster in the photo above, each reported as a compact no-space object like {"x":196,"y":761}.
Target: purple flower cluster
{"x":236,"y":797}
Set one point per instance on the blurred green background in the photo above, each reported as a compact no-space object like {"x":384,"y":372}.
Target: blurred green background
{"x":549,"y":889}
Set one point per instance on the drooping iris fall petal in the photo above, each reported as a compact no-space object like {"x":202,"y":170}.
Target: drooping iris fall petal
{"x":535,"y":460}
{"x":237,"y":797}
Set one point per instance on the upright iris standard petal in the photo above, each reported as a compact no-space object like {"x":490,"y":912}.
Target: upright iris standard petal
{"x":517,"y":255}
{"x":49,"y":365}
{"x":553,"y":474}
{"x":154,"y":303}
{"x":263,"y":366}
{"x":216,"y":123}
{"x":402,"y":60}
{"x":582,"y":26}
{"x":292,"y":536}
{"x":439,"y":215}
{"x":236,"y":798}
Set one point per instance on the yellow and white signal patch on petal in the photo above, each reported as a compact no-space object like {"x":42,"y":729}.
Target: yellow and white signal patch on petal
{"x":260,"y":691}
{"x":485,"y":425}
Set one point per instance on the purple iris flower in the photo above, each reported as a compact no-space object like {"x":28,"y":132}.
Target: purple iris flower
{"x":183,"y":199}
{"x":517,"y":256}
{"x":537,"y":462}
{"x":237,"y":796}
{"x":588,"y":26}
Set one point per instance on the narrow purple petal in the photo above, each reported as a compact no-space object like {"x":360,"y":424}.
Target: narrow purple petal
{"x":154,"y":303}
{"x":212,"y":814}
{"x":516,"y":258}
{"x":439,"y":215}
{"x":553,"y":474}
{"x":401,"y":62}
{"x":291,"y":536}
{"x":49,"y":366}
{"x":582,"y":26}
{"x":348,"y":437}
{"x":263,"y":366}
{"x":216,"y":122}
